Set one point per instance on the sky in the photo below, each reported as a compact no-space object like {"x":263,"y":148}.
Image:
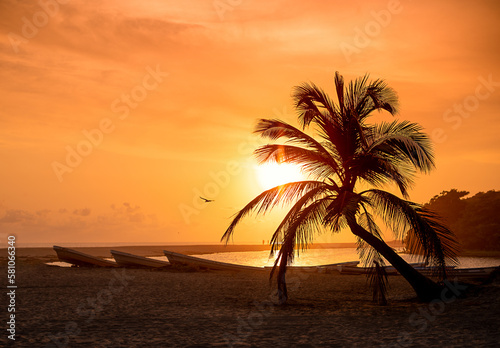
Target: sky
{"x":115,"y":116}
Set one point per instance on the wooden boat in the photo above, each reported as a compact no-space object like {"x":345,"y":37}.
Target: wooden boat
{"x":464,"y":274}
{"x":319,"y":268}
{"x":467,"y":274}
{"x":390,"y":270}
{"x":131,"y":260}
{"x":352,"y":269}
{"x":78,"y":258}
{"x":176,"y":259}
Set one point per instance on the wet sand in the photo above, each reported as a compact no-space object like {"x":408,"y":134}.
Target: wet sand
{"x":78,"y":307}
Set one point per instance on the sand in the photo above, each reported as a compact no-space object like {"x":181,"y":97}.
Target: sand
{"x":78,"y":307}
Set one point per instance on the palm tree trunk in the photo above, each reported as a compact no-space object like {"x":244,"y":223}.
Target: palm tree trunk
{"x":425,"y":288}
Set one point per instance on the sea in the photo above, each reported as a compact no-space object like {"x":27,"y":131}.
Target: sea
{"x":314,"y":257}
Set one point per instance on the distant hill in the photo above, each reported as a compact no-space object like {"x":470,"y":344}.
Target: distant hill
{"x":474,"y":220}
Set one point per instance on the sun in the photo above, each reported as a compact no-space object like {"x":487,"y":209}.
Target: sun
{"x":271,"y":175}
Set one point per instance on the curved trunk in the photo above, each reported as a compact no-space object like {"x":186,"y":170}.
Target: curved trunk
{"x":426,"y":289}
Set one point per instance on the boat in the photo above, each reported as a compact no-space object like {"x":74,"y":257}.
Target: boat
{"x":319,"y":268}
{"x":176,"y":259}
{"x":468,"y":274}
{"x":390,"y":270}
{"x":343,"y":269}
{"x":130,"y":260}
{"x":464,"y":274}
{"x":78,"y":258}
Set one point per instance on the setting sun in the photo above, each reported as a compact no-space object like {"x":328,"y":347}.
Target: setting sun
{"x":273,"y":174}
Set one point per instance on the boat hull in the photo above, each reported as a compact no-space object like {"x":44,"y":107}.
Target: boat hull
{"x":389,"y":270}
{"x":468,"y":274}
{"x":464,"y":274}
{"x":176,"y":259}
{"x":320,"y":268}
{"x":78,"y":258}
{"x":130,"y":260}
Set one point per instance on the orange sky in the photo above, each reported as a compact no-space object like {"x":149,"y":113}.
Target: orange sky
{"x":160,"y":100}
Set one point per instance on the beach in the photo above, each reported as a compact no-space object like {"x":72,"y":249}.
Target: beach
{"x":97,"y":307}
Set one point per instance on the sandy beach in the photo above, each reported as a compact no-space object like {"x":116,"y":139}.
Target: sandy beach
{"x":79,"y":307}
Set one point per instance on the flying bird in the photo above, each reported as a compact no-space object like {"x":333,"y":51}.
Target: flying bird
{"x":207,"y":200}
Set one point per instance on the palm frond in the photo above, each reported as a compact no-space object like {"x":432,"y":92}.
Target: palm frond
{"x":370,"y":257}
{"x":379,"y":171}
{"x":283,"y":194}
{"x":309,"y":100}
{"x":403,"y":142}
{"x":339,"y":87}
{"x":382,"y":97}
{"x":346,"y":204}
{"x":367,"y":221}
{"x":435,"y":238}
{"x":290,"y":218}
{"x":377,"y":278}
{"x":305,"y":224}
{"x":276,"y":129}
{"x":376,"y":95}
{"x":429,"y":236}
{"x":311,"y":162}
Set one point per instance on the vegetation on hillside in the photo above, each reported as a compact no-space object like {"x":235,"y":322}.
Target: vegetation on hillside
{"x":474,"y":220}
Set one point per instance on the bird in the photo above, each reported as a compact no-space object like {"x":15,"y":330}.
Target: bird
{"x":207,"y":200}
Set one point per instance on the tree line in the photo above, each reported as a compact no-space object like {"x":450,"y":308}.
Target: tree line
{"x":474,"y":220}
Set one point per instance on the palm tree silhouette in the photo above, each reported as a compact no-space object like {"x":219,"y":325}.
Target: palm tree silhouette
{"x":351,"y":153}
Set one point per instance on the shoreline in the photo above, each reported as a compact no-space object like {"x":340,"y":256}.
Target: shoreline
{"x":195,"y":249}
{"x":48,"y":253}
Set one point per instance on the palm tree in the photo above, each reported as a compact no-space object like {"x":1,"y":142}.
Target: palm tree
{"x":351,"y":153}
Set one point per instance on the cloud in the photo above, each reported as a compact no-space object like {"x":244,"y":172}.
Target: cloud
{"x":128,"y":212}
{"x":17,"y":216}
{"x":82,"y":212}
{"x":122,"y":223}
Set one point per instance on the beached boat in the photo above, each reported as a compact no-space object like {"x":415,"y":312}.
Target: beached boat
{"x":464,"y":274}
{"x":467,"y":274}
{"x":81,"y":259}
{"x":196,"y":262}
{"x":352,"y":269}
{"x":131,"y":260}
{"x":390,"y":270}
{"x":320,"y":268}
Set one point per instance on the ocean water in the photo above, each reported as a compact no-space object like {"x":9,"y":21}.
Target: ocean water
{"x":313,"y":257}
